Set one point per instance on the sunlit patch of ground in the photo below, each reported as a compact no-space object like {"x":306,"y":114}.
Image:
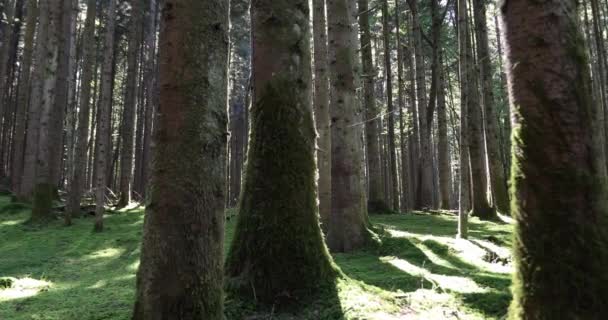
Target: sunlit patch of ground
{"x":23,"y":288}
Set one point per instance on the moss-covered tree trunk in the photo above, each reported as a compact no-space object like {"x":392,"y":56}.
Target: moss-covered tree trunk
{"x":103,"y":143}
{"x":181,"y":270}
{"x":561,"y":240}
{"x":44,"y":187}
{"x":321,"y":110}
{"x":278,"y":250}
{"x":375,"y":199}
{"x":498,"y":182}
{"x":348,"y":225}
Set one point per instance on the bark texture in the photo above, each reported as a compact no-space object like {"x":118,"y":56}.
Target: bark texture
{"x":278,"y":245}
{"x":559,"y":202}
{"x":181,"y":272}
{"x":348,"y":223}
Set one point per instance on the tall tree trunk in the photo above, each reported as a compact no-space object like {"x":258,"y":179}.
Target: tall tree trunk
{"x":321,"y":107}
{"x":348,"y":226}
{"x":414,"y":132}
{"x":559,"y":196}
{"x":404,"y":136}
{"x":128,"y":116}
{"x":498,"y":182}
{"x":464,"y":71}
{"x":189,"y":192}
{"x":76,"y":184}
{"x":392,"y":157}
{"x":23,"y":96}
{"x":44,"y":188}
{"x":376,"y":201}
{"x":506,"y":114}
{"x":7,"y":20}
{"x":443,"y":154}
{"x":480,"y":206}
{"x":602,"y":117}
{"x":151,"y":73}
{"x":103,"y":144}
{"x":425,"y":186}
{"x":278,"y":245}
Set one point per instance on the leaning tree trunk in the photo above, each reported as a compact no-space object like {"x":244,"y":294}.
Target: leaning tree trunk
{"x":321,"y":108}
{"x":103,"y":146}
{"x":278,"y":244}
{"x":76,"y":185}
{"x":183,"y":242}
{"x":559,"y":206}
{"x":375,"y":201}
{"x":44,"y":188}
{"x":348,"y":224}
{"x":128,"y":115}
{"x":498,"y":182}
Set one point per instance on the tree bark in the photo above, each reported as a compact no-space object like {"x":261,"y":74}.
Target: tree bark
{"x":278,"y":244}
{"x":181,"y":270}
{"x":559,"y":197}
{"x":443,"y":154}
{"x":45,"y":187}
{"x":348,"y":226}
{"x":464,"y":70}
{"x":103,"y":144}
{"x":321,"y":110}
{"x":403,"y":131}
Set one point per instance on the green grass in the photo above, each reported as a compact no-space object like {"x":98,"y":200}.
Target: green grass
{"x":418,"y":271}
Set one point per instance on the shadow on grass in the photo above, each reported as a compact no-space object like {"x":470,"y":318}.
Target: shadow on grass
{"x":370,"y":268}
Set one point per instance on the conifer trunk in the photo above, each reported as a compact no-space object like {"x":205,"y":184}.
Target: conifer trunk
{"x":559,"y":206}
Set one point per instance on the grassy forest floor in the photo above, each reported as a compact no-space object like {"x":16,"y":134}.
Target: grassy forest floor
{"x":419,"y":271}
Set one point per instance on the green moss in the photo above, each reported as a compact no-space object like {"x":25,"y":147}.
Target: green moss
{"x":278,"y":253}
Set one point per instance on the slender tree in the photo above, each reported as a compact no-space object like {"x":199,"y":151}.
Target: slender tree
{"x":443,"y":154}
{"x":76,"y":185}
{"x":464,"y":196}
{"x":321,"y":108}
{"x":376,"y":201}
{"x":278,"y":244}
{"x":103,"y":146}
{"x":559,"y":199}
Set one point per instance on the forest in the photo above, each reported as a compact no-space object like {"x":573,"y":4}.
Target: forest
{"x":303,"y":159}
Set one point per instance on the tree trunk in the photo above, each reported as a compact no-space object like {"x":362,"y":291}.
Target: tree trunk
{"x":321,"y":109}
{"x":464,"y":70}
{"x":481,"y":207}
{"x":443,"y":154}
{"x":392,"y":157}
{"x":189,"y":191}
{"x":23,"y":96}
{"x":103,"y":144}
{"x":45,"y":187}
{"x":414,"y":133}
{"x":559,"y":197}
{"x":278,"y":244}
{"x":498,"y":182}
{"x":128,"y":116}
{"x":348,"y":225}
{"x":404,"y":140}
{"x":151,"y":73}
{"x":82,"y":139}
